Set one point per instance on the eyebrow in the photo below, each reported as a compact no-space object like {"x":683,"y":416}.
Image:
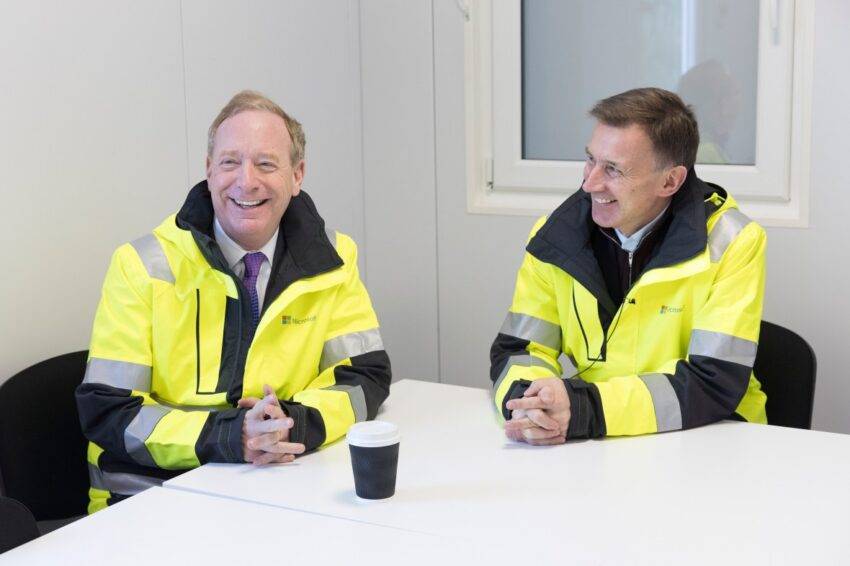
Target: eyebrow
{"x":269,"y":157}
{"x":606,"y":161}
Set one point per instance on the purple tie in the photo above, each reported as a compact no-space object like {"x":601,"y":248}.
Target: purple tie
{"x":253,"y":261}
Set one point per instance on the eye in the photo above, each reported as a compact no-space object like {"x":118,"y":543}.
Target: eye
{"x":612,"y":171}
{"x":228,"y":162}
{"x":267,"y":166}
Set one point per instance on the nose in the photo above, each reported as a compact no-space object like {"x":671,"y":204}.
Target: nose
{"x":247,"y":175}
{"x":592,"y":178}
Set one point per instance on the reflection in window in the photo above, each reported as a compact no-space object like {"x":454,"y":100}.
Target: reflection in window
{"x":575,"y":52}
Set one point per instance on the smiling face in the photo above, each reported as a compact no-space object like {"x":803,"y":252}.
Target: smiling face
{"x":250,"y":177}
{"x":621,"y":174}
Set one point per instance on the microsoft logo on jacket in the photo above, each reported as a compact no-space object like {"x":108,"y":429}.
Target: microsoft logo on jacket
{"x":287,"y":319}
{"x":665,"y":309}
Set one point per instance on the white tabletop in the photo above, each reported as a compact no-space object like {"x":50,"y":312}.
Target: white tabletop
{"x":162,"y":526}
{"x":731,"y":491}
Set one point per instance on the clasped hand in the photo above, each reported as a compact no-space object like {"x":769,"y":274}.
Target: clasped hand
{"x":265,"y":431}
{"x":541,"y":416}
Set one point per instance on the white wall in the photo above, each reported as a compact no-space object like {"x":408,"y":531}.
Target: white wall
{"x":104,"y":109}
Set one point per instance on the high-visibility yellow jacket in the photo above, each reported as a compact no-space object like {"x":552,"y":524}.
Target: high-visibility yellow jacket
{"x":173,"y":348}
{"x":675,"y":354}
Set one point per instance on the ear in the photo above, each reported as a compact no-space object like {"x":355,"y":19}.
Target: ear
{"x":673,"y":180}
{"x":298,"y":177}
{"x":209,"y":166}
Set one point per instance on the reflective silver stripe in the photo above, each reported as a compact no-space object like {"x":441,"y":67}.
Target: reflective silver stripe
{"x":357,"y":399}
{"x":331,"y":236}
{"x":524,"y":360}
{"x":725,"y":231}
{"x":119,"y":482}
{"x":153,"y":257}
{"x":139,"y":430}
{"x":350,"y":345}
{"x":722,"y":347}
{"x":668,"y":414}
{"x":533,"y":329}
{"x":125,"y":375}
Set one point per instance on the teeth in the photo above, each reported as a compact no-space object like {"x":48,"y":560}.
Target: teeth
{"x":247,"y":202}
{"x":602,"y":200}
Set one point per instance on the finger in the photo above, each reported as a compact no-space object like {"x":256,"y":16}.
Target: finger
{"x":547,"y":441}
{"x":537,"y":433}
{"x":267,"y":390}
{"x":270,"y":458}
{"x":519,"y":424}
{"x":274,"y":411}
{"x":535,"y":386}
{"x":271,"y":425}
{"x":263,"y":441}
{"x":543,"y":420}
{"x":547,"y":396}
{"x":514,"y":435}
{"x":285,"y":448}
{"x":247,"y":402}
{"x":526,"y":403}
{"x":255,"y":413}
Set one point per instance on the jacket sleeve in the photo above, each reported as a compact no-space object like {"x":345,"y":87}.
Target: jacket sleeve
{"x":529,"y":342}
{"x":354,"y":373}
{"x":116,"y":409}
{"x":708,"y":384}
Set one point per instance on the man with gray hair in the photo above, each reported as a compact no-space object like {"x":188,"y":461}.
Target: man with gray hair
{"x":238,"y":330}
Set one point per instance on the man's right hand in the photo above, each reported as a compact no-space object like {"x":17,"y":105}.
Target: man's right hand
{"x":265,"y":431}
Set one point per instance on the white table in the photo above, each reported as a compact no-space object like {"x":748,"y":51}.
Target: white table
{"x":731,"y":492}
{"x":161,"y":527}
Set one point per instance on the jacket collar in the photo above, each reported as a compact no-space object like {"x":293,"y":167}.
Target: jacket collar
{"x":303,"y":248}
{"x":564,"y":239}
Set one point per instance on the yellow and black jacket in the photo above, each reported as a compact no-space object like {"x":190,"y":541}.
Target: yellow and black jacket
{"x":675,"y":352}
{"x":174,"y":348}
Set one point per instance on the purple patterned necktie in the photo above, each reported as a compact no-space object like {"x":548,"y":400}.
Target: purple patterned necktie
{"x":253,"y":261}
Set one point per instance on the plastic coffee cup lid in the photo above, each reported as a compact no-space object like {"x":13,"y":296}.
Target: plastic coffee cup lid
{"x":373,"y":434}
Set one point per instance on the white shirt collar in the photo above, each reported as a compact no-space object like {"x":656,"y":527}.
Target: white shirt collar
{"x":630,"y":243}
{"x":233,"y":252}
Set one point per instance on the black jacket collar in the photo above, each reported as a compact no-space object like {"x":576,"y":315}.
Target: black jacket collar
{"x":303,"y":248}
{"x":564,"y":239}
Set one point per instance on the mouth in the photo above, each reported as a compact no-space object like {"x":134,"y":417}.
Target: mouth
{"x":600,"y":200}
{"x":248,"y":204}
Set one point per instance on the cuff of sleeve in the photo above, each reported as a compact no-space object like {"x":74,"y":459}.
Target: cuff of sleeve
{"x":298,"y":413}
{"x":516,"y":391}
{"x":233,"y":435}
{"x":587,"y":419}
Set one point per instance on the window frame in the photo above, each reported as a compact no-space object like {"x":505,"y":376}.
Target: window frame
{"x":499,"y":181}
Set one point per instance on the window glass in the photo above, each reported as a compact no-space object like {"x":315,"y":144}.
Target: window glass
{"x":575,"y":52}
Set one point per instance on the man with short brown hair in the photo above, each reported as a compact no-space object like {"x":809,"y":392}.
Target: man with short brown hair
{"x":238,"y":330}
{"x":650,"y":280}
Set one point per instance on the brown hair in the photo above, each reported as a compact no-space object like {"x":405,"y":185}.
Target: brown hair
{"x":668,"y":122}
{"x":253,"y":100}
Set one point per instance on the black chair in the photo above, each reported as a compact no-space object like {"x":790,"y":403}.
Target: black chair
{"x":18,"y":524}
{"x":42,"y":448}
{"x":786,"y":367}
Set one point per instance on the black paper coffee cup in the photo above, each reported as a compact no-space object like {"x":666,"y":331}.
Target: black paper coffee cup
{"x":374,"y":458}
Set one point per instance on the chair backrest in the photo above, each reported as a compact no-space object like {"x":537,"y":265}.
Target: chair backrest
{"x":786,"y":367}
{"x":18,"y":524}
{"x":42,"y":448}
